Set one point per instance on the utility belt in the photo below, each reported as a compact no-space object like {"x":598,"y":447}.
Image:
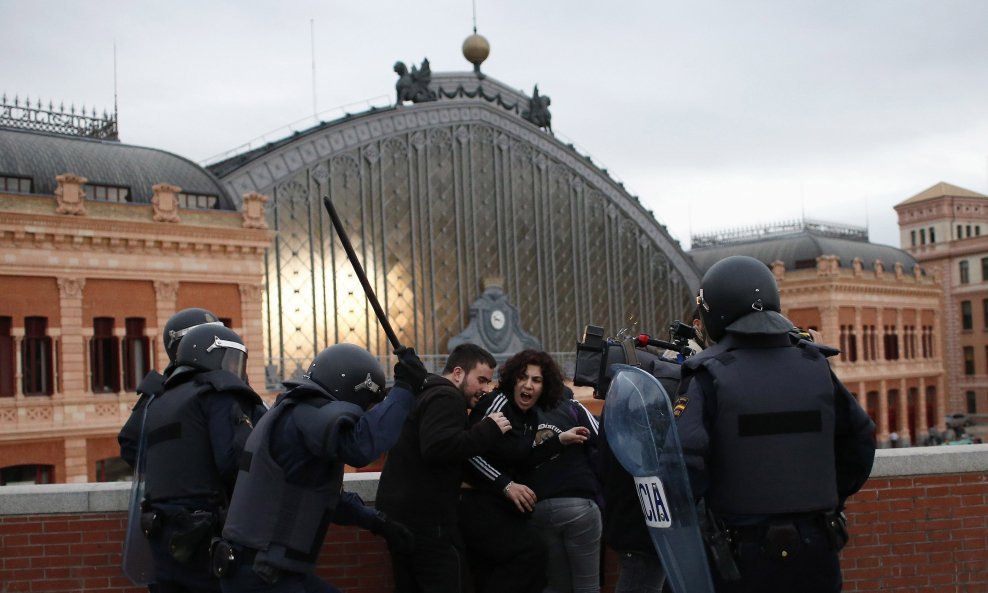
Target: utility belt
{"x":190,"y":530}
{"x":226,"y":558}
{"x":778,"y":538}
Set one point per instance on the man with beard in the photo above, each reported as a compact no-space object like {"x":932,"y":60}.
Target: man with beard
{"x":420,"y":483}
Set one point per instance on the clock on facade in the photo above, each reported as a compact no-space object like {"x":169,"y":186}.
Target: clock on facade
{"x":497,"y":319}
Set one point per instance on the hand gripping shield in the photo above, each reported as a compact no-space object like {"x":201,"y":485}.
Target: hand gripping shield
{"x":137,"y":564}
{"x":641,"y":431}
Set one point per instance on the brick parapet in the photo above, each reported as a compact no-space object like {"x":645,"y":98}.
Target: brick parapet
{"x":920,"y":524}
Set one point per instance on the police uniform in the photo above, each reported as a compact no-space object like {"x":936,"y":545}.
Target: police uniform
{"x":129,"y":437}
{"x":153,"y":384}
{"x":774,"y":443}
{"x":291,"y":478}
{"x":195,"y":432}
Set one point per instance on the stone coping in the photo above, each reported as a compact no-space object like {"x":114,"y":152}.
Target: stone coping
{"x":113,"y":496}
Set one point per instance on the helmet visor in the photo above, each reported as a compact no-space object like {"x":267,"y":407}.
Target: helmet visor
{"x":234,"y":358}
{"x":235,"y":362}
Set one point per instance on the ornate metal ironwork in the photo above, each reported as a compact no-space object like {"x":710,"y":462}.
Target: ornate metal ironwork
{"x":737,"y":235}
{"x":434,"y":213}
{"x":38,"y":118}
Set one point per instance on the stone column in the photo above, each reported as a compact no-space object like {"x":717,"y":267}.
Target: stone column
{"x":862,"y":396}
{"x":73,"y":361}
{"x":76,"y":463}
{"x":859,"y":336}
{"x":899,"y":338}
{"x":903,"y":419}
{"x":922,"y":422}
{"x":941,"y":405}
{"x":883,"y":414}
{"x":253,"y":333}
{"x":829,"y":321}
{"x":18,"y":334}
{"x":165,"y":293}
{"x":880,"y":338}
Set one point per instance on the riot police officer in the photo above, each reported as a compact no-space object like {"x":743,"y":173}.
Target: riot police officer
{"x":773,"y":441}
{"x":290,"y":483}
{"x":153,"y":384}
{"x":195,"y":433}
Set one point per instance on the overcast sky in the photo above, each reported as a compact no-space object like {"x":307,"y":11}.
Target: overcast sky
{"x":717,"y":114}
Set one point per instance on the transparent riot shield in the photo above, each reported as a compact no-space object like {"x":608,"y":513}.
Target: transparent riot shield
{"x":641,"y":431}
{"x":137,"y":563}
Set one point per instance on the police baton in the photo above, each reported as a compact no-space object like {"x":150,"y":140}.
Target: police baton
{"x":352,"y":256}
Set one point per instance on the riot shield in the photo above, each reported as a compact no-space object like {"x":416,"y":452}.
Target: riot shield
{"x":641,"y":431}
{"x":137,"y":564}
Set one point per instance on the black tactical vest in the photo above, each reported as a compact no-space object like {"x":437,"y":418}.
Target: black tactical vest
{"x":179,"y":453}
{"x":772,"y":442}
{"x":285,"y":522}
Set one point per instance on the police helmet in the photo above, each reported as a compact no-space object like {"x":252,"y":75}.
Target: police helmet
{"x":348,"y":373}
{"x":180,"y":323}
{"x":739,"y":294}
{"x":210,"y":347}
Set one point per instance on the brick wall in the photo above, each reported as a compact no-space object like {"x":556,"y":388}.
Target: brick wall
{"x":920,"y":525}
{"x":919,"y":534}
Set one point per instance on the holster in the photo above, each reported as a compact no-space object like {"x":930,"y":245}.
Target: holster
{"x":222,"y":558}
{"x":269,"y":574}
{"x":782,"y":540}
{"x":719,"y":546}
{"x":150,"y":524}
{"x":835,"y":526}
{"x":186,"y":540}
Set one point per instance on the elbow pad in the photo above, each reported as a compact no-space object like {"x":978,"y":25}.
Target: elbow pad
{"x":321,"y":427}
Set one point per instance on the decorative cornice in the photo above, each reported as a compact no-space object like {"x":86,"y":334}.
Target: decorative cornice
{"x":30,"y":231}
{"x":284,"y":162}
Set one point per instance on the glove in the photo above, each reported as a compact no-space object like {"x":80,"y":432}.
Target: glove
{"x":410,"y":370}
{"x":397,"y":535}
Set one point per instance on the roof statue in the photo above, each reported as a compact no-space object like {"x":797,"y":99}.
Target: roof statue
{"x":538,"y":110}
{"x":414,"y":86}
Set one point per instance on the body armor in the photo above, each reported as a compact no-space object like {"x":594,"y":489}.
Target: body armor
{"x":286,"y":523}
{"x":179,"y":460}
{"x":773,"y":438}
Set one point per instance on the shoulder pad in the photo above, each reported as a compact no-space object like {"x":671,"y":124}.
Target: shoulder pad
{"x":822,"y":349}
{"x":227,"y":382}
{"x":152,"y":384}
{"x":320,"y":424}
{"x":665,"y":369}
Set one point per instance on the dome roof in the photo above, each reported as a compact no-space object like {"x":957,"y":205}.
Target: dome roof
{"x":41,"y":157}
{"x":799,"y":250}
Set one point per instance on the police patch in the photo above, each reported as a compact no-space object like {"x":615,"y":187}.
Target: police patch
{"x":680,"y":406}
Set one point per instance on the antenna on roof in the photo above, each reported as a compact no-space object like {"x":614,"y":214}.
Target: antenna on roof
{"x":312,"y":41}
{"x":802,"y":202}
{"x":116,"y":122}
{"x":474,"y":16}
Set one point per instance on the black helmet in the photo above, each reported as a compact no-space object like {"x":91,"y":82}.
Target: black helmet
{"x":348,"y":373}
{"x":180,"y":323}
{"x":210,"y":347}
{"x":739,"y":294}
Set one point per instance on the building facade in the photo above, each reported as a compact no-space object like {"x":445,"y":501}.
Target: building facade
{"x":100,"y":243}
{"x":437,"y":196}
{"x":874,"y":302}
{"x":945,"y":228}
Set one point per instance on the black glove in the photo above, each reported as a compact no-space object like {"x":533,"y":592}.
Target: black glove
{"x":410,"y":370}
{"x":397,"y":535}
